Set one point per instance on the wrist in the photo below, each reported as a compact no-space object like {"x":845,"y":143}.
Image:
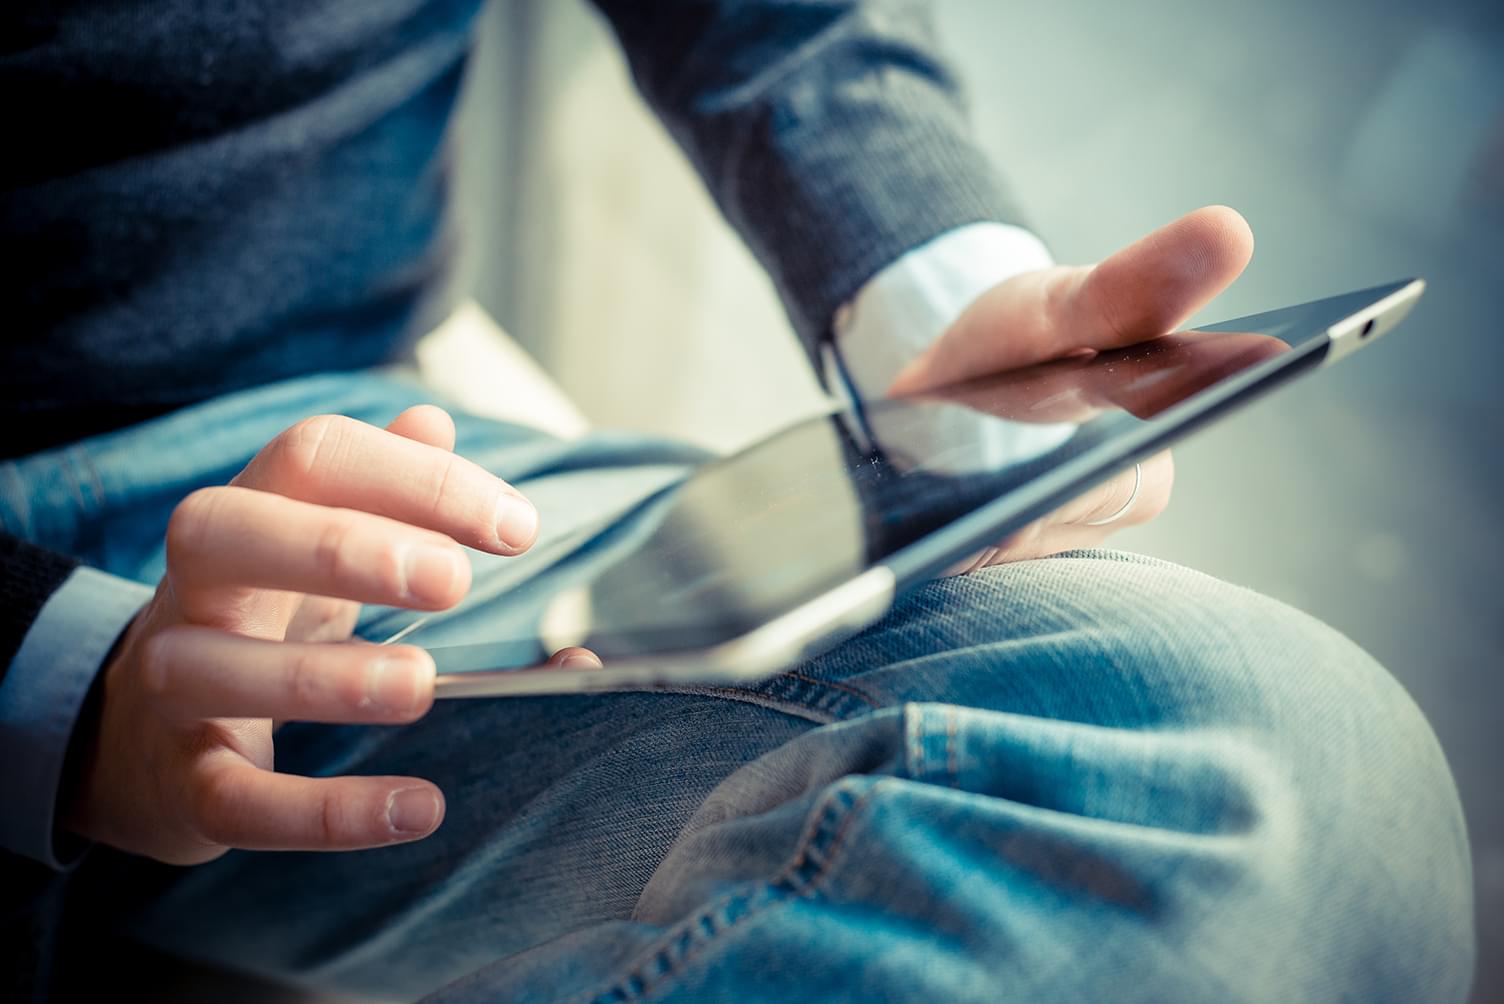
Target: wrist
{"x":902,"y":310}
{"x":81,"y":758}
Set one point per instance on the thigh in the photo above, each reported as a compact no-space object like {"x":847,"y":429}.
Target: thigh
{"x":1048,"y":777}
{"x":1091,"y":777}
{"x":107,"y":500}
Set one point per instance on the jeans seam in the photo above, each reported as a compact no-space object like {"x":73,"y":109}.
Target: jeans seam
{"x":95,"y":482}
{"x":925,"y":759}
{"x":913,"y":718}
{"x":952,"y":724}
{"x":755,"y":698}
{"x":821,"y":701}
{"x":813,"y":861}
{"x":844,"y":688}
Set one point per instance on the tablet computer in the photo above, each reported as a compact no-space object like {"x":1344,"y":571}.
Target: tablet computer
{"x":760,"y":559}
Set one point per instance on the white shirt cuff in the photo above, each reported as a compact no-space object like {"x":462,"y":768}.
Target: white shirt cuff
{"x":41,"y":697}
{"x":898,"y":314}
{"x":906,"y":306}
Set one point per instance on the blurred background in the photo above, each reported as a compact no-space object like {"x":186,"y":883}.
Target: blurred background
{"x":1363,"y":141}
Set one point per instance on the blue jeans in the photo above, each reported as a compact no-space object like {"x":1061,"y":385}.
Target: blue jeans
{"x":1096,"y":776}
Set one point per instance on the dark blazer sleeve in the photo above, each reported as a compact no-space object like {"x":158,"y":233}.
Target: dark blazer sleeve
{"x":31,"y":915}
{"x":28,"y":576}
{"x":832,"y":134}
{"x":30,"y":895}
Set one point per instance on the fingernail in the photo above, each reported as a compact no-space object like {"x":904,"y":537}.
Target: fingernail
{"x":516,"y":522}
{"x":430,"y":572}
{"x":578,"y":660}
{"x":412,"y":810}
{"x":394,"y":685}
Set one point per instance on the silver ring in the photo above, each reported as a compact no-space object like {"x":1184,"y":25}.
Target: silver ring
{"x":1138,"y":482}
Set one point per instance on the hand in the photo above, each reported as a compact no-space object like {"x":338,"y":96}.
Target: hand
{"x":252,"y":623}
{"x":1143,"y":291}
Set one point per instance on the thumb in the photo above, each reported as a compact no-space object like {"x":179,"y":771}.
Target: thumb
{"x":1151,"y":286}
{"x":1140,"y":292}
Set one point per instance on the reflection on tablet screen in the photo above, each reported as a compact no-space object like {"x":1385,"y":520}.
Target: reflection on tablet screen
{"x":751,"y":536}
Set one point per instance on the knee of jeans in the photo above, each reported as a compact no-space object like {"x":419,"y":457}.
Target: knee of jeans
{"x":1378,"y":827}
{"x":1374,"y":852}
{"x":1370,"y":846}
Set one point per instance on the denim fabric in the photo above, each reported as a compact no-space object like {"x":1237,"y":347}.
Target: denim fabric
{"x":1092,"y":777}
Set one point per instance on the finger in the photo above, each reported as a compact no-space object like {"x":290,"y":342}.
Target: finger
{"x":1046,"y":539}
{"x":239,"y":805}
{"x":238,"y":538}
{"x":1069,"y":527}
{"x":984,"y":558}
{"x":575,"y":657}
{"x":1154,"y":284}
{"x":336,"y":461}
{"x":1109,"y":498}
{"x":197,"y":672}
{"x":1141,"y":292}
{"x":425,"y":423}
{"x":319,"y":618}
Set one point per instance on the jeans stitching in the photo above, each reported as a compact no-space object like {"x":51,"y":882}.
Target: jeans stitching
{"x":951,"y":725}
{"x":814,"y":693}
{"x":913,"y":748}
{"x":813,"y":861}
{"x":91,"y":472}
{"x":845,"y":688}
{"x":820,"y":716}
{"x":822,"y":701}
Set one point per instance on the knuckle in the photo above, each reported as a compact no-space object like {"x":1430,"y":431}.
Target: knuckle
{"x":302,"y":452}
{"x":1108,"y":310}
{"x":192,"y":521}
{"x":1104,"y":503}
{"x":304,"y":682}
{"x":331,"y":551}
{"x":157,"y":661}
{"x":386,"y":567}
{"x":440,"y":480}
{"x":319,"y":688}
{"x":334,"y":821}
{"x":356,"y":683}
{"x":343,"y":563}
{"x":212,"y":800}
